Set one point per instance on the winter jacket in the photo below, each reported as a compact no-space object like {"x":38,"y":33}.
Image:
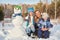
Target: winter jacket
{"x":45,"y":24}
{"x":30,"y":26}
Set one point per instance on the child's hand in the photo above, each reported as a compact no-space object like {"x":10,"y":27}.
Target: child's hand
{"x":44,"y":29}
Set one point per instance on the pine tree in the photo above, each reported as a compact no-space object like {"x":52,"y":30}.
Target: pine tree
{"x":1,"y":14}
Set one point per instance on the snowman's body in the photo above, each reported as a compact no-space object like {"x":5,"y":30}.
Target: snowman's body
{"x":18,"y":30}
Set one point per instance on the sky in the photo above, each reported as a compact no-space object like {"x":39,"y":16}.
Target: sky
{"x":21,"y":1}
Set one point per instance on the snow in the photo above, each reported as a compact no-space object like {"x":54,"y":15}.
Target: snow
{"x":55,"y":33}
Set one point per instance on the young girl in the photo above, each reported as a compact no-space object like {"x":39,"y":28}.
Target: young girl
{"x":44,"y":25}
{"x":30,"y":22}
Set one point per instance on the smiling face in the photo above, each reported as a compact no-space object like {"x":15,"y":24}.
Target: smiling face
{"x":45,"y":16}
{"x":38,"y":14}
{"x":31,"y":13}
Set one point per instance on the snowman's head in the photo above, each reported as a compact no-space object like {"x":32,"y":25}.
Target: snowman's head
{"x":17,"y":9}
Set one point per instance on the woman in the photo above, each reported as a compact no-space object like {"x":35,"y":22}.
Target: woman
{"x":36,"y":19}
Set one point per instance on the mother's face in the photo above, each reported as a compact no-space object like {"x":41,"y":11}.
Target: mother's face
{"x":38,"y":14}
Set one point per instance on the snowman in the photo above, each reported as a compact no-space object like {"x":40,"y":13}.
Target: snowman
{"x":17,"y":20}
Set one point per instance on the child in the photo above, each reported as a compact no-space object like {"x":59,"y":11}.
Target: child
{"x":43,"y":26}
{"x":30,"y":22}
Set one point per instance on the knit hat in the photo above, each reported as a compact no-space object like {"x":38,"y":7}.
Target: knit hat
{"x":31,"y":9}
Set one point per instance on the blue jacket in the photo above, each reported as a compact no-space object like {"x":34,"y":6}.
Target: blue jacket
{"x":45,"y":24}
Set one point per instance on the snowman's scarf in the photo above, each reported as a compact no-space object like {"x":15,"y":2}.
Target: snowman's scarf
{"x":19,"y":14}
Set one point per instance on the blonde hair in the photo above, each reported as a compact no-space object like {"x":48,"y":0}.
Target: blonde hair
{"x":45,"y":15}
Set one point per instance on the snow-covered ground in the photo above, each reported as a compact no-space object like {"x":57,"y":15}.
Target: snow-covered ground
{"x":55,"y":32}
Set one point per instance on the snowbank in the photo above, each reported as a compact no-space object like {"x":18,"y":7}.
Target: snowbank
{"x":55,"y":33}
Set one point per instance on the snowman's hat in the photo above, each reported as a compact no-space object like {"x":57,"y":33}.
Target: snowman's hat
{"x":31,"y":9}
{"x":18,"y":7}
{"x":45,"y":15}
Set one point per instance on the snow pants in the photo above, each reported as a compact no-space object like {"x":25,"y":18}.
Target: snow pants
{"x":43,"y":34}
{"x":30,"y":30}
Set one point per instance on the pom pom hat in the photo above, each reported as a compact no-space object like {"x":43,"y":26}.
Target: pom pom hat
{"x":31,"y":9}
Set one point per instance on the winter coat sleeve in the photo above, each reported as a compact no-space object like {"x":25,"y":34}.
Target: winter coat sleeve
{"x":49,"y":25}
{"x":40,"y":23}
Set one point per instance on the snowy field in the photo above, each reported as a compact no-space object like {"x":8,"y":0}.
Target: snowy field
{"x":55,"y":32}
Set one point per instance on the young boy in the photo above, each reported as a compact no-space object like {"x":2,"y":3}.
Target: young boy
{"x":43,"y":26}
